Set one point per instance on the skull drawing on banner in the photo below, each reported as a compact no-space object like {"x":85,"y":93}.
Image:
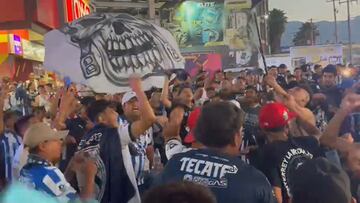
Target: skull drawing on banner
{"x":120,"y":45}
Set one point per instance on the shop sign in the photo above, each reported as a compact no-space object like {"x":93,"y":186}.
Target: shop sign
{"x":33,"y":51}
{"x":15,"y":44}
{"x":76,"y":9}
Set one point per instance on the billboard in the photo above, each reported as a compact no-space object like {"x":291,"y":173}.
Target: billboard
{"x":321,"y":54}
{"x":194,"y":63}
{"x":224,"y":27}
{"x":197,"y":23}
{"x":33,"y":51}
{"x":76,"y":9}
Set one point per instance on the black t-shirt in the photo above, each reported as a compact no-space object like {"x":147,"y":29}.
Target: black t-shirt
{"x":229,"y":178}
{"x":184,"y":130}
{"x":77,"y":129}
{"x":278,"y":160}
{"x":251,"y":126}
{"x":333,"y":95}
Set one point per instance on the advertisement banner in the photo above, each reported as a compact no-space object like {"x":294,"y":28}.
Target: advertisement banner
{"x":321,"y":54}
{"x":217,"y":25}
{"x":195,"y":63}
{"x":33,"y":51}
{"x":76,"y":9}
{"x":197,"y":24}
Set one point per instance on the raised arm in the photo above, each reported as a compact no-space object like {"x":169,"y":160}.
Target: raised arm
{"x":305,"y":116}
{"x":165,"y":94}
{"x":148,"y":117}
{"x":330,"y":137}
{"x":67,"y":104}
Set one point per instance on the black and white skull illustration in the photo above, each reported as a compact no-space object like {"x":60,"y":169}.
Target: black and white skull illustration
{"x":119,"y":45}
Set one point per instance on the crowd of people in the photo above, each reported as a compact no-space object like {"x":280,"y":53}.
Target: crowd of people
{"x":250,"y":136}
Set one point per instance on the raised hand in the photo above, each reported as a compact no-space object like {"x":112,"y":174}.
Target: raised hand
{"x":67,"y":103}
{"x":270,"y":80}
{"x":135,"y":83}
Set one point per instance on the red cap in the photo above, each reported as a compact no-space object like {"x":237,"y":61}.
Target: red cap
{"x":191,"y":123}
{"x":275,"y":115}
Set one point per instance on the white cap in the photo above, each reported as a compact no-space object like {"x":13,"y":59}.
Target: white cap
{"x":127,"y":97}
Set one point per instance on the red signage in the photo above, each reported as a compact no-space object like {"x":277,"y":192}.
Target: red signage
{"x":76,"y":9}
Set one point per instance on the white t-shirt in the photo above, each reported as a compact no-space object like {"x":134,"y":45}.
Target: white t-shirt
{"x":125,"y":141}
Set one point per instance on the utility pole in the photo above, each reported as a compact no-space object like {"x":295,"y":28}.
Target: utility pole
{"x":349,"y":26}
{"x":335,"y":19}
{"x":349,"y":30}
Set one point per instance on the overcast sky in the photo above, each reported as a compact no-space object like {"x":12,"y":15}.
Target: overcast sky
{"x":303,"y":10}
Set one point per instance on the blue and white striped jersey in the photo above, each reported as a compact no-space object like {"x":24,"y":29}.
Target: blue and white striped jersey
{"x":9,"y":142}
{"x":42,"y":176}
{"x":137,"y":149}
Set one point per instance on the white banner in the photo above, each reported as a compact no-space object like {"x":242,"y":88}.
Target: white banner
{"x":102,"y":50}
{"x":321,"y":54}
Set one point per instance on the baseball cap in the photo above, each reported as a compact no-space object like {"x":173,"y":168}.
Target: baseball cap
{"x":191,"y":123}
{"x":274,"y":115}
{"x":40,"y":132}
{"x":127,"y":97}
{"x":319,"y":180}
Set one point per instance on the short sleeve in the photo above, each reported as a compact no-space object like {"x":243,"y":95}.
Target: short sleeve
{"x":274,"y":177}
{"x":56,"y":184}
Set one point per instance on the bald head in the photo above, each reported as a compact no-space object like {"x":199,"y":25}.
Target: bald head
{"x":302,"y":97}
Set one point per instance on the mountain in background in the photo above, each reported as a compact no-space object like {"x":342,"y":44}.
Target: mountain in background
{"x":327,"y":32}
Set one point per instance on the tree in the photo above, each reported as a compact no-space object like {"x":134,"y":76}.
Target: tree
{"x":277,"y":22}
{"x":306,"y":35}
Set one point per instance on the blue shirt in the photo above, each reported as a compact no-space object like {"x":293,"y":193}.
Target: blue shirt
{"x":42,"y":176}
{"x":229,"y":178}
{"x":9,"y":142}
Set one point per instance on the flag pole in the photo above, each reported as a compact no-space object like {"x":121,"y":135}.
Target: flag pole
{"x":260,"y":44}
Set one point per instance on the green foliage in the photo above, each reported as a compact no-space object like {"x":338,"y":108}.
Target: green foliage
{"x":277,"y":21}
{"x":307,"y":32}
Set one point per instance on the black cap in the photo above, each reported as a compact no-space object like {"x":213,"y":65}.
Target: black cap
{"x":319,"y":180}
{"x":282,"y":66}
{"x":330,"y":69}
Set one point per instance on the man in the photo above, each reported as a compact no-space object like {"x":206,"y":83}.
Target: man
{"x":171,"y":132}
{"x":142,"y":150}
{"x":21,"y":154}
{"x":239,"y":88}
{"x":281,"y":77}
{"x":302,"y":97}
{"x":283,"y":154}
{"x":217,"y":166}
{"x":319,"y":180}
{"x":9,"y":143}
{"x":350,"y":152}
{"x":45,"y":146}
{"x":328,"y":87}
{"x":317,"y":73}
{"x":328,"y":97}
{"x":251,"y":120}
{"x":110,"y":176}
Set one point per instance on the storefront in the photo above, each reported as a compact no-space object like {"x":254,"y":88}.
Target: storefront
{"x":23,"y":24}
